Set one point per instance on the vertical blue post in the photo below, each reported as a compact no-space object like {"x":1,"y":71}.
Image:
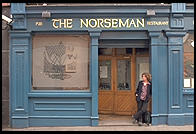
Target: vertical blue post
{"x":175,"y":79}
{"x":94,"y":76}
{"x":19,"y":68}
{"x":154,"y":73}
{"x":19,"y":78}
{"x":159,"y":73}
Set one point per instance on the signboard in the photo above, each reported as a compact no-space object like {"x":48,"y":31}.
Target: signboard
{"x":104,"y":23}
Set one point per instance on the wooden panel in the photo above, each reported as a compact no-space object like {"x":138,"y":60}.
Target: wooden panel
{"x":54,"y":106}
{"x":19,"y":79}
{"x":105,"y":102}
{"x":175,"y":81}
{"x":123,"y":103}
{"x":105,"y":97}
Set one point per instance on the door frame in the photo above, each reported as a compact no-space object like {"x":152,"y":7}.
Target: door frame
{"x":114,"y":90}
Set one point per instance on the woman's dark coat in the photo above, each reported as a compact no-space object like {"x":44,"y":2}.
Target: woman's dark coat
{"x":139,"y":91}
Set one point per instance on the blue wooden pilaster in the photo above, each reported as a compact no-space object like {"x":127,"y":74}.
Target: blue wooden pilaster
{"x":19,"y":78}
{"x":175,"y":77}
{"x":158,"y":48}
{"x":94,"y":76}
{"x":154,"y":73}
{"x":19,"y":16}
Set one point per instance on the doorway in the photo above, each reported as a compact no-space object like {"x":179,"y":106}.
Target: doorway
{"x":118,"y":71}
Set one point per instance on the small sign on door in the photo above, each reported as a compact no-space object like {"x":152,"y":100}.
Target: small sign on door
{"x":103,"y":72}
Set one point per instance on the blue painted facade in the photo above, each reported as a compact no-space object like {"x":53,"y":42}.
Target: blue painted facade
{"x":171,"y":103}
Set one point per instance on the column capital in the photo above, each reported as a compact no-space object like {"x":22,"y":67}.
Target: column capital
{"x":157,"y":38}
{"x":20,"y":34}
{"x":95,"y":33}
{"x":175,"y":38}
{"x":155,"y":33}
{"x":175,"y":33}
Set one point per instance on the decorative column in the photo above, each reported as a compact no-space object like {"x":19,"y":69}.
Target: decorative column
{"x":175,"y":77}
{"x":175,"y":64}
{"x":94,"y":76}
{"x":19,"y":68}
{"x":158,"y":69}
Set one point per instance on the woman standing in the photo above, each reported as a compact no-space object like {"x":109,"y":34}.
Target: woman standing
{"x":143,"y":95}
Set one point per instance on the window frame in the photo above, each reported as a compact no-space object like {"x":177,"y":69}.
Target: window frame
{"x":59,"y":89}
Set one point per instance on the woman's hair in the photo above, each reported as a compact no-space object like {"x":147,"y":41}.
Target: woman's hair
{"x":148,"y":76}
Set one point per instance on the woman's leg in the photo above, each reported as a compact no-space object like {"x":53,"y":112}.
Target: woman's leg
{"x":142,"y":108}
{"x":140,"y":103}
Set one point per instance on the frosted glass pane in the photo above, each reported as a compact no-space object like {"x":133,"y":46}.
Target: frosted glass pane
{"x":123,"y":77}
{"x":105,"y":75}
{"x":60,"y":61}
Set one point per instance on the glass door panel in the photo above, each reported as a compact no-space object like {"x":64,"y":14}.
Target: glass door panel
{"x":123,"y":75}
{"x":105,"y":75}
{"x":142,"y":65}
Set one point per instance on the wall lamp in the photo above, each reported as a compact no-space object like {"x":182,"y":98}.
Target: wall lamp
{"x":150,"y":12}
{"x":46,"y":14}
{"x":7,"y":19}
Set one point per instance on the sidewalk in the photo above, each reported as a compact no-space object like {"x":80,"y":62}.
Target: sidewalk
{"x":110,"y":123}
{"x":108,"y":128}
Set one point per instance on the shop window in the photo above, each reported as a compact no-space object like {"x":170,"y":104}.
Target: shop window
{"x":60,"y":62}
{"x":188,"y":42}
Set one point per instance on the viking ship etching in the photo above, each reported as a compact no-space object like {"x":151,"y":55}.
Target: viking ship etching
{"x":56,"y":59}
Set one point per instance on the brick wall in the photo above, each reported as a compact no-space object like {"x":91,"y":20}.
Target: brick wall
{"x":5,"y":68}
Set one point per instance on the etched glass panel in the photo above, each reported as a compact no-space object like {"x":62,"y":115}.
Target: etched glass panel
{"x":124,"y":72}
{"x":105,"y":75}
{"x":60,"y":62}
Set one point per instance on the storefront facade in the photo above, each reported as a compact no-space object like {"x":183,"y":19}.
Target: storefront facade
{"x":57,"y":69}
